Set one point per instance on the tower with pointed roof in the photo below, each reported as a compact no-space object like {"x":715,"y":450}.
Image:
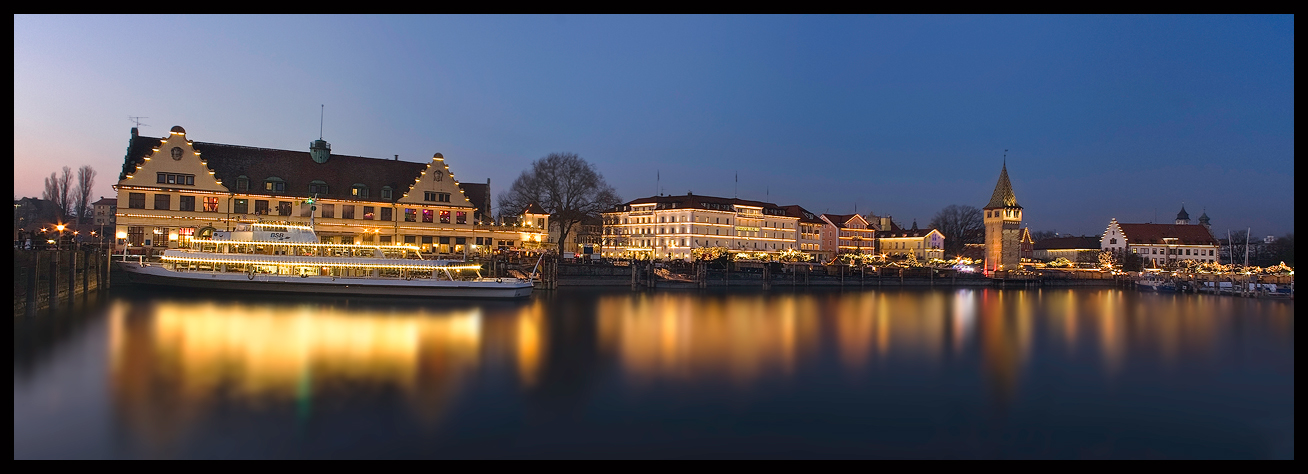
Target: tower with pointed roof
{"x":1003,"y":220}
{"x":1183,"y":218}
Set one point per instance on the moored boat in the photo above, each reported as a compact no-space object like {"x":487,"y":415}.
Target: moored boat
{"x":288,"y":258}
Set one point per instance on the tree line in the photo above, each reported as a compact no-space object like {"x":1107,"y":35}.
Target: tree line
{"x":71,"y":194}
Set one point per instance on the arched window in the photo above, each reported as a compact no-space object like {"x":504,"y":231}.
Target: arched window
{"x":359,"y":190}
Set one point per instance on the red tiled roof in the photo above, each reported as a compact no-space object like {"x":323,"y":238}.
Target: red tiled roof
{"x":296,"y":168}
{"x":841,"y":219}
{"x":1067,"y":243}
{"x":1155,"y":233}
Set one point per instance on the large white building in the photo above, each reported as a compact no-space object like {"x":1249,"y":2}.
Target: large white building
{"x":1162,"y":245}
{"x":671,"y":227}
{"x":173,"y":189}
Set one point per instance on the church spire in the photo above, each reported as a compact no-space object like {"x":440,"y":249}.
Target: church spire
{"x":1003,"y":195}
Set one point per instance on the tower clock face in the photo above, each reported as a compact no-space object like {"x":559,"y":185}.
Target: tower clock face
{"x":177,"y":153}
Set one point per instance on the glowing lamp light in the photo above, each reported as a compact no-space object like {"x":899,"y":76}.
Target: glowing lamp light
{"x":121,"y":235}
{"x":60,"y":227}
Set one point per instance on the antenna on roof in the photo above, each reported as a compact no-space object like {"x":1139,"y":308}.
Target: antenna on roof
{"x":321,"y":111}
{"x":137,"y":121}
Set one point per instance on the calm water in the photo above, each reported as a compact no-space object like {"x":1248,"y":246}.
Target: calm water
{"x":1088,"y":373}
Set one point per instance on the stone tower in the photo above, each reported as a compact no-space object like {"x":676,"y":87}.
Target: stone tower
{"x":1003,"y":219}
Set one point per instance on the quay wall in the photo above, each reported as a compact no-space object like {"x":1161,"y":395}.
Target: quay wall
{"x":48,"y":279}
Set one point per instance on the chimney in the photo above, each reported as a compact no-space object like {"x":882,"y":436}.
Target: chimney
{"x":397,"y":157}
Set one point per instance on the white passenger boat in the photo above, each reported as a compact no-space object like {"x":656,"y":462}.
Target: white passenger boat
{"x":288,"y":258}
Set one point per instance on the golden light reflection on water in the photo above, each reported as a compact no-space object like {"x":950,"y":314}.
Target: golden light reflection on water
{"x":173,"y":361}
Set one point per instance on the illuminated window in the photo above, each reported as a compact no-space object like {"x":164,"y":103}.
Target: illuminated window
{"x":410,"y":215}
{"x":368,"y":213}
{"x":461,"y":217}
{"x":136,"y":235}
{"x":359,"y":191}
{"x":211,"y":204}
{"x":275,"y":185}
{"x":427,"y":215}
{"x":445,"y":217}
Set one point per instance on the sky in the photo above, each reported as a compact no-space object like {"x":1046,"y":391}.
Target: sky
{"x":1122,"y":117}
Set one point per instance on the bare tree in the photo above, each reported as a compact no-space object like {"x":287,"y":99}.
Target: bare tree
{"x":85,"y":181}
{"x":51,"y":192}
{"x":565,"y":186}
{"x":65,"y":183}
{"x":961,"y":225}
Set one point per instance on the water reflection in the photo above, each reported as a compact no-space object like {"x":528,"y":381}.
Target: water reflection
{"x":180,"y":367}
{"x":171,"y":360}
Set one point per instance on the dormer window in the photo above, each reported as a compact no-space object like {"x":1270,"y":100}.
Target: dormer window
{"x":274,"y":184}
{"x":242,"y":183}
{"x":359,"y":190}
{"x":317,"y":186}
{"x":386,"y":193}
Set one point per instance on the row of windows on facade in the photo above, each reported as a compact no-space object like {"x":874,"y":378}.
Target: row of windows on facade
{"x":277,"y":185}
{"x":1007,"y":213}
{"x":1166,"y":251}
{"x":682,"y":230}
{"x":673,"y":242}
{"x":284,"y":208}
{"x":136,"y":235}
{"x":674,"y":219}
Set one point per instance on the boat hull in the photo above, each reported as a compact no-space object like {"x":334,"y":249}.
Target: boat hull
{"x":147,"y":274}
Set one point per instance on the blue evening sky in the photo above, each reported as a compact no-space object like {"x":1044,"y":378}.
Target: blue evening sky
{"x":1103,"y":116}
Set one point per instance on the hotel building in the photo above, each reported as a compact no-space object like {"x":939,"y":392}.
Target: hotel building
{"x":670,"y":227}
{"x":176,"y":189}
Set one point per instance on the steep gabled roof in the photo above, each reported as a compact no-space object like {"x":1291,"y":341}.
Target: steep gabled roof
{"x":841,"y":220}
{"x":1139,"y":234}
{"x":1003,"y":195}
{"x":296,"y":168}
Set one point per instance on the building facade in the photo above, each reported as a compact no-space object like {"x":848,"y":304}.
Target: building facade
{"x":1003,"y":221}
{"x":671,"y":227}
{"x":104,"y":211}
{"x":1161,"y":245}
{"x":849,"y":233}
{"x":923,"y":244}
{"x":1075,"y":249}
{"x":812,"y":232}
{"x":176,"y":189}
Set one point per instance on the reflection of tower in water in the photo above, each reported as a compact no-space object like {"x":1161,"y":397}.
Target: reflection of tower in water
{"x":1005,"y":338}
